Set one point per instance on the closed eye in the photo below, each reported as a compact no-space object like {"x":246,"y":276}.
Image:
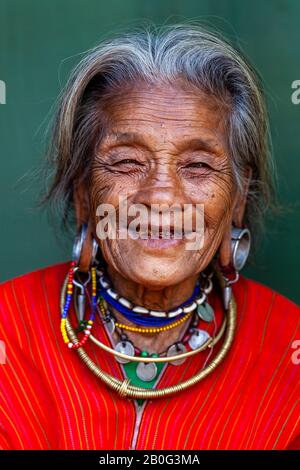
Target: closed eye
{"x":127,"y":161}
{"x":198,"y":165}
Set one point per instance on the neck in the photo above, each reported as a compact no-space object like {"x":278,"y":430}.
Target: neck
{"x":166,"y":298}
{"x":163,"y":299}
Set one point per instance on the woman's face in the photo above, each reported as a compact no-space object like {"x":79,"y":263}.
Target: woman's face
{"x":164,"y":145}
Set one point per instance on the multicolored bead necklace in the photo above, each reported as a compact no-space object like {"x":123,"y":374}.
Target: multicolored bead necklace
{"x":151,"y":330}
{"x":147,"y":372}
{"x":89,"y":323}
{"x":194,"y":338}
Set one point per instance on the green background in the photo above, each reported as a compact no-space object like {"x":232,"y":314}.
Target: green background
{"x":41,"y":40}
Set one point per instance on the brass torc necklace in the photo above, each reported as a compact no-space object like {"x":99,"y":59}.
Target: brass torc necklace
{"x":125,"y":352}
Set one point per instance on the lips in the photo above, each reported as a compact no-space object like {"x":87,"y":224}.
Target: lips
{"x":159,"y":233}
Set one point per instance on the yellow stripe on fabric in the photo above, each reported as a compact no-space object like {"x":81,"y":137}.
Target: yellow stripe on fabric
{"x":287,"y":418}
{"x":22,"y":319}
{"x":266,"y":323}
{"x":13,"y":427}
{"x":269,"y":385}
{"x":238,"y":416}
{"x":239,"y":320}
{"x":87,"y":400}
{"x":286,"y":405}
{"x":46,"y":372}
{"x":291,"y":436}
{"x":59,"y":361}
{"x":12,"y":317}
{"x":24,"y":395}
{"x":212,"y":403}
{"x":19,"y":399}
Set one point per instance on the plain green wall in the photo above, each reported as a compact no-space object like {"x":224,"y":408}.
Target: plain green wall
{"x":40,"y":41}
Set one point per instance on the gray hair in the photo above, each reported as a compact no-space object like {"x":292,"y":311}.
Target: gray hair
{"x":201,"y":58}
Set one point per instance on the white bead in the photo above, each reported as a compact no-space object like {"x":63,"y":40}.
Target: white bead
{"x":104,"y":283}
{"x":190,"y":308}
{"x":89,"y":327}
{"x":125,"y":302}
{"x":112,"y":293}
{"x":70,"y":345}
{"x":175,"y":312}
{"x":87,"y":332}
{"x":140,"y":310}
{"x":201,"y":300}
{"x":155,"y":313}
{"x":208,"y":289}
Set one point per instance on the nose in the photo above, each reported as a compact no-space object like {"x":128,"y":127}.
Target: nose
{"x":162,"y":186}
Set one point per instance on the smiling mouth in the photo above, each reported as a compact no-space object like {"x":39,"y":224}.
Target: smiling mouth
{"x":155,"y":233}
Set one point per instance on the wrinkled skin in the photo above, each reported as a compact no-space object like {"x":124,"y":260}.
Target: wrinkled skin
{"x":163,"y":145}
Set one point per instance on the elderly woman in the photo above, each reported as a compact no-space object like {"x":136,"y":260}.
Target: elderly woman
{"x":149,"y":338}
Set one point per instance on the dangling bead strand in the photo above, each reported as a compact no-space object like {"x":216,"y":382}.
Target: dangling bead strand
{"x":67,"y":304}
{"x":69,"y":296}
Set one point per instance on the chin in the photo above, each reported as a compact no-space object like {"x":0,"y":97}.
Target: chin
{"x":156,"y":276}
{"x":151,"y":265}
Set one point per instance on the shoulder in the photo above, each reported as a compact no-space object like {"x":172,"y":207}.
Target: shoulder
{"x":268,"y":320}
{"x":31,"y":293}
{"x":261,"y":297}
{"x":54,"y":271}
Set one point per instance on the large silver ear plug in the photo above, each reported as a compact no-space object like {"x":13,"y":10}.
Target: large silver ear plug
{"x":240,"y":248}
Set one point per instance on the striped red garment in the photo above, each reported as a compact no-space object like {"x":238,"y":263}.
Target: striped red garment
{"x":50,"y":400}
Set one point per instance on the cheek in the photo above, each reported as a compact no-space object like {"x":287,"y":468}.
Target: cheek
{"x":216,"y":194}
{"x":104,"y":190}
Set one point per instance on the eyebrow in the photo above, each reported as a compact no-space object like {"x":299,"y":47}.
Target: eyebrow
{"x":127,"y":138}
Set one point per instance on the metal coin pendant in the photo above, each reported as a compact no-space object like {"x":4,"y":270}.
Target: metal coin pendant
{"x":198,"y":338}
{"x":124,"y":347}
{"x":146,"y":371}
{"x":206,"y":312}
{"x":110,"y":324}
{"x":174,"y":350}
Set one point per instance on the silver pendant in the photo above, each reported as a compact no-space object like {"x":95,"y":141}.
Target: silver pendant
{"x":174,"y":350}
{"x":198,"y":338}
{"x":81,"y":307}
{"x":227,"y":294}
{"x":124,"y":347}
{"x":110,"y":325}
{"x":206,"y":312}
{"x":146,"y":371}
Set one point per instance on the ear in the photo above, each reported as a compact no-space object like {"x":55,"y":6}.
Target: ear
{"x":81,"y":204}
{"x":241,"y":200}
{"x":238,"y":211}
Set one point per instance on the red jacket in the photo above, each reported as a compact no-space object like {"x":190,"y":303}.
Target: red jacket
{"x":50,"y":400}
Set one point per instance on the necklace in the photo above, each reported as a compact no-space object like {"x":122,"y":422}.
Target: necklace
{"x":111,"y":323}
{"x":148,"y":371}
{"x":125,"y":389}
{"x":142,"y":315}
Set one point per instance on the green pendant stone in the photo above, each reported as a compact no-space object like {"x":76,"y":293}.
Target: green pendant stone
{"x":205,"y":312}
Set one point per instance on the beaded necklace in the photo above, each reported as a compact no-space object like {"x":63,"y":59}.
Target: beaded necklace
{"x":125,"y":351}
